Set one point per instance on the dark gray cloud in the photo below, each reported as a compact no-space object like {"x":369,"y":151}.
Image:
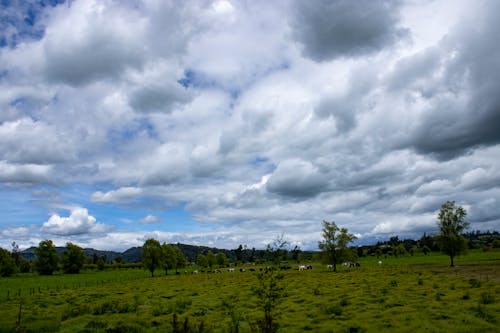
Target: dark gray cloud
{"x":330,"y":29}
{"x":156,"y":98}
{"x":297,"y":178}
{"x":465,"y":110}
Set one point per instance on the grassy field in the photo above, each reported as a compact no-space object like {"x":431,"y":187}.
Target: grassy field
{"x":409,"y":294}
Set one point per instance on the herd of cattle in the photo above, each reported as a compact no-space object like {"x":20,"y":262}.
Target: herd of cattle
{"x":282,"y":267}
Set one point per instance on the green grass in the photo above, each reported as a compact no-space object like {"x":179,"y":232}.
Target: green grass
{"x":410,"y":294}
{"x":29,"y":284}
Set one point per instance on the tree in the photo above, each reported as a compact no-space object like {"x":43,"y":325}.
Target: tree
{"x":47,"y":258}
{"x":278,"y":249}
{"x":201,"y":260}
{"x":72,"y":259}
{"x":211,"y":260}
{"x":152,"y":255}
{"x":180,"y":258}
{"x":451,"y":222}
{"x":221,"y":259}
{"x":296,"y":253}
{"x":239,"y":253}
{"x":7,"y":263}
{"x":334,"y":245}
{"x":426,"y":250}
{"x":399,"y":250}
{"x":269,"y":291}
{"x":16,"y":254}
{"x":169,"y":257}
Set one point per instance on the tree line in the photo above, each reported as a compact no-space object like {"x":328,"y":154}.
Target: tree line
{"x":334,"y":249}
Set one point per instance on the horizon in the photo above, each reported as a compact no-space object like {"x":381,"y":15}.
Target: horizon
{"x":219,"y":123}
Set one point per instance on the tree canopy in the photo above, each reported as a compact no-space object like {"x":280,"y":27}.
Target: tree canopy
{"x":72,"y":259}
{"x":452,"y":223}
{"x":7,"y":263}
{"x":47,"y":259}
{"x":334,"y":247}
{"x":152,"y":255}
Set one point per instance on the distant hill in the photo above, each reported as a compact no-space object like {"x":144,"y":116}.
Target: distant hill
{"x":133,"y":255}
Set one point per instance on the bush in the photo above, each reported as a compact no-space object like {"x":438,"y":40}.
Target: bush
{"x":475,"y":283}
{"x":332,"y":310}
{"x":7,"y":264}
{"x":487,"y":298}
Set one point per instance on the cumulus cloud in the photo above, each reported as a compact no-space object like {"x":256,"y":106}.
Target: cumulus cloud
{"x":346,"y":28}
{"x":77,"y":223}
{"x":35,"y":142}
{"x":90,"y":40}
{"x":247,"y":119}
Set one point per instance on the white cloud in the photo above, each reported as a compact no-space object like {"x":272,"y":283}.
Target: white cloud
{"x":250,"y":116}
{"x":15,"y":232}
{"x":79,"y":222}
{"x":120,"y":195}
{"x":149,"y":219}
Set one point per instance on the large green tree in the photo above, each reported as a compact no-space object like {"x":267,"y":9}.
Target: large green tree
{"x":46,"y":257}
{"x":180,"y":258}
{"x":201,"y":260}
{"x":72,"y":259}
{"x":7,"y":263}
{"x":152,"y":255}
{"x":451,"y":222}
{"x":334,"y":247}
{"x":169,"y":257}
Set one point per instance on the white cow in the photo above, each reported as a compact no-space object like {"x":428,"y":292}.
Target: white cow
{"x":380,"y":263}
{"x":302,"y":268}
{"x":329,"y":267}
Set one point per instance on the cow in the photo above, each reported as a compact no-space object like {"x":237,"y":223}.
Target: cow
{"x":230,"y":270}
{"x":302,"y":268}
{"x":380,"y":263}
{"x":329,"y":267}
{"x":195,"y":272}
{"x":242,"y":270}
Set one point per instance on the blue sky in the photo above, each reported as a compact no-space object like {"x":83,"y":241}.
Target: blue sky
{"x":233,"y":122}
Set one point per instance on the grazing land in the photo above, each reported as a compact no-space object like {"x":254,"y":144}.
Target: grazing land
{"x":408,"y":294}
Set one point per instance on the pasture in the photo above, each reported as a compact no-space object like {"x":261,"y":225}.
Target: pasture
{"x":409,"y":294}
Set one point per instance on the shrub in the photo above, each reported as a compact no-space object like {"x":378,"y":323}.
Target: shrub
{"x":475,"y":283}
{"x":487,"y":298}
{"x":332,"y":310}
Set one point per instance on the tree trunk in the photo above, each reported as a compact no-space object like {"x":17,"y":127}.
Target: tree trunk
{"x":451,"y":260}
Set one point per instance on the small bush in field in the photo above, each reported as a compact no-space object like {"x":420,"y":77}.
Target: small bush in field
{"x":487,"y":298}
{"x":475,"y":283}
{"x":332,"y":310}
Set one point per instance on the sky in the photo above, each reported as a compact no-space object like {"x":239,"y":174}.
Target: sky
{"x":232,"y":122}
